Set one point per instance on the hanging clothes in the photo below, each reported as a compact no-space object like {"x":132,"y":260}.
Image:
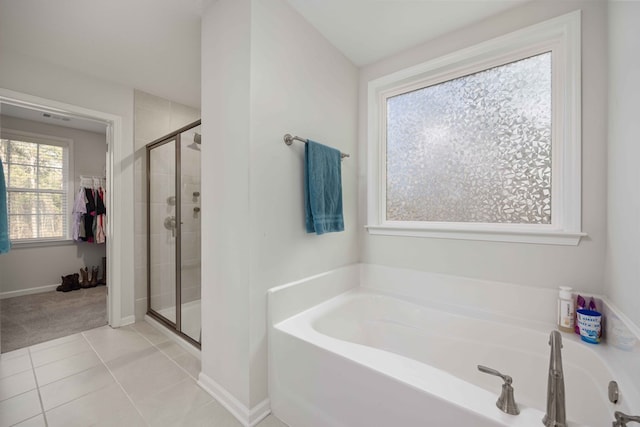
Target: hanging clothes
{"x":79,"y":209}
{"x":100,"y":220}
{"x":90,"y":213}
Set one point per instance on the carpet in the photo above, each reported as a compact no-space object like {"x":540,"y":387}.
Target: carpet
{"x":36,"y":318}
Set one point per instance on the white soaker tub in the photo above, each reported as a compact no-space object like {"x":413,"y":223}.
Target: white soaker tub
{"x":367,"y":358}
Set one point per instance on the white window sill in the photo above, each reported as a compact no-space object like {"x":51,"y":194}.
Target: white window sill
{"x":544,"y":237}
{"x":40,"y":243}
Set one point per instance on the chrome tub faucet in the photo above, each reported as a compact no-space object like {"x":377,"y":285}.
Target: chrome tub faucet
{"x":556,"y":411}
{"x":506,"y":402}
{"x":623,"y":419}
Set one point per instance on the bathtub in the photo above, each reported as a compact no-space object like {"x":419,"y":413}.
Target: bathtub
{"x":370,"y":358}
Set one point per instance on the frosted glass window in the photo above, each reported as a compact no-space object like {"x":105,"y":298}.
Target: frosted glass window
{"x":473,"y":149}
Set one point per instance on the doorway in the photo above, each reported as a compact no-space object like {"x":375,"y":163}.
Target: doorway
{"x":112,"y":126}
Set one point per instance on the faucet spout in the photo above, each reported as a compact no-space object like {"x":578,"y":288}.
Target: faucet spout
{"x":622,"y":419}
{"x":556,"y":410}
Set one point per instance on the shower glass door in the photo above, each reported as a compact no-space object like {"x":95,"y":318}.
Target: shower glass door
{"x":173,"y":229}
{"x":162,"y":230}
{"x":190,"y":233}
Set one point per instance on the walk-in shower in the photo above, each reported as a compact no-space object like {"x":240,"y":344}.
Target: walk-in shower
{"x":173,"y":231}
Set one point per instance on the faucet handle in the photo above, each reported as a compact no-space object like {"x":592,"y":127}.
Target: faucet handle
{"x":506,"y":378}
{"x":622,"y":419}
{"x":506,"y":402}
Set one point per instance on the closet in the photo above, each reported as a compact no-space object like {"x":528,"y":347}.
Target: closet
{"x":89,"y":211}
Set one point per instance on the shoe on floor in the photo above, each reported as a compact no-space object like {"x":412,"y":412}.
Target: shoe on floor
{"x":84,"y":283}
{"x":67,"y":284}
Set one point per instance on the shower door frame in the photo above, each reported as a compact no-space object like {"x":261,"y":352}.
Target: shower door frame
{"x":176,"y":326}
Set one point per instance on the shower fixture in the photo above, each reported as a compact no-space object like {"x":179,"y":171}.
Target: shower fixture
{"x":197,"y":140}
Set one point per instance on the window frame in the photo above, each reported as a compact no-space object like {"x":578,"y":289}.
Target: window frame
{"x":561,"y":37}
{"x":67,"y":182}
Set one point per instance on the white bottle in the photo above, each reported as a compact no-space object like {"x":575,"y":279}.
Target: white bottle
{"x":566,"y":310}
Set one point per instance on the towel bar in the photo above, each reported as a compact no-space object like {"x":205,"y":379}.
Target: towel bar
{"x":288,"y":139}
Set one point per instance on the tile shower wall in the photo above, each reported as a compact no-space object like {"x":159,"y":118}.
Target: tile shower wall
{"x":154,"y":117}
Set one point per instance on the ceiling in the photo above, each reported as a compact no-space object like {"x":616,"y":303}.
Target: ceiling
{"x":369,"y":30}
{"x":151,"y":45}
{"x":154,"y":45}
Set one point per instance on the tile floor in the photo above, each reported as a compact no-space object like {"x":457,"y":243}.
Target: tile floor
{"x":131,"y":376}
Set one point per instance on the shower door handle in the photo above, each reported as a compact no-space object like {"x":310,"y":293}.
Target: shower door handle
{"x":170,"y":223}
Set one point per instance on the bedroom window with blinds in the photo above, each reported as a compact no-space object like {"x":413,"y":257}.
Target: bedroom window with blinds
{"x":36,"y":173}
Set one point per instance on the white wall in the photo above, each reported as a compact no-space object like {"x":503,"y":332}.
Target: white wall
{"x":154,"y":117}
{"x":226,"y":43}
{"x":28,"y":267}
{"x":25,"y":74}
{"x":530,"y":264}
{"x":262,"y":79}
{"x":623,"y":203}
{"x":300,"y":84}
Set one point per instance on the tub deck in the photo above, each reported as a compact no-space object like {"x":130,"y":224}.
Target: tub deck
{"x":429,"y":358}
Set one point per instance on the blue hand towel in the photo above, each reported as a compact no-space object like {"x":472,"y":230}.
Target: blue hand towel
{"x":322,"y":189}
{"x":5,"y":244}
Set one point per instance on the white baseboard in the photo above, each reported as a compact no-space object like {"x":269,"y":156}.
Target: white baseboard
{"x":128,"y":320}
{"x":259,"y":412}
{"x":29,"y":291}
{"x":247,"y":417}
